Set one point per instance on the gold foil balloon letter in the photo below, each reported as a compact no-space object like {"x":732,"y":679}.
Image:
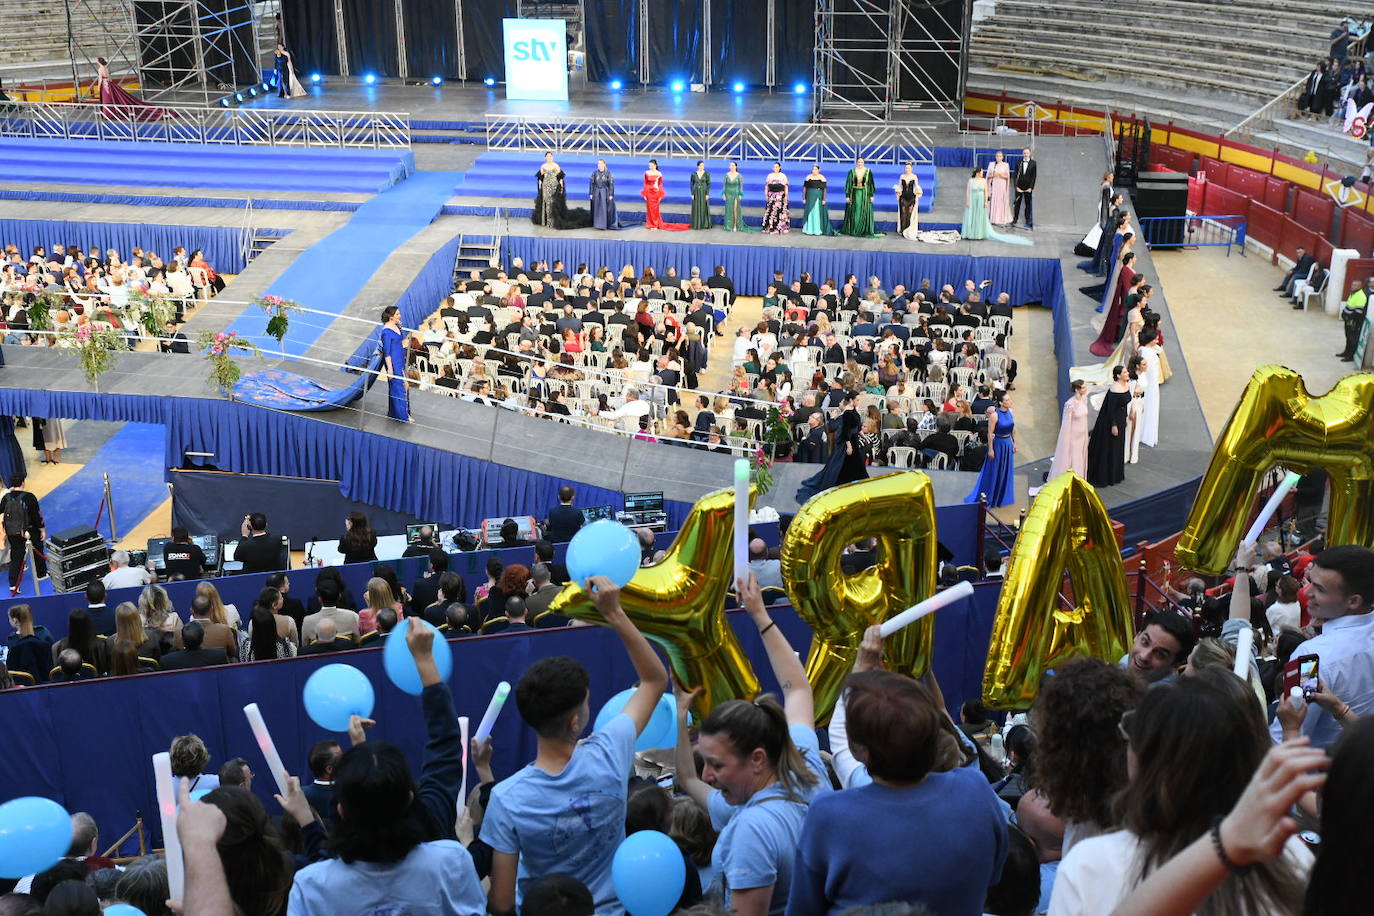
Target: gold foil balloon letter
{"x":679,"y":603}
{"x":898,"y":510}
{"x":1278,"y":422}
{"x":1066,"y":527}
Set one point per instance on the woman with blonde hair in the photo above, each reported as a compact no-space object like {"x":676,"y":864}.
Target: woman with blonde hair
{"x":129,"y":628}
{"x":378,"y":596}
{"x":157,"y":610}
{"x":220,"y":612}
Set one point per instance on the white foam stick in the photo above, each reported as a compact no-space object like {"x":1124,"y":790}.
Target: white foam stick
{"x":463,"y":792}
{"x":929,"y":606}
{"x":269,"y":750}
{"x":1289,"y":481}
{"x":741,"y":518}
{"x":498,"y":699}
{"x":1245,"y":639}
{"x":167,"y":814}
{"x":1296,"y":695}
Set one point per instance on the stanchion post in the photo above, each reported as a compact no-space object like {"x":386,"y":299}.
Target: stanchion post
{"x":109,"y":501}
{"x":33,"y":569}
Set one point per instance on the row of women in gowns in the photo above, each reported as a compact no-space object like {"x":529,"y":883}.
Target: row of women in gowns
{"x":551,"y":208}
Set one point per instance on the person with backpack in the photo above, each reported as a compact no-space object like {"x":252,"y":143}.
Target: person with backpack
{"x":20,"y":517}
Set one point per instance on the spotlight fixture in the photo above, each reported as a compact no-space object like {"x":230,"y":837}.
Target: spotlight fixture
{"x":437,"y":81}
{"x":677,"y":85}
{"x":266,"y":87}
{"x":489,"y":81}
{"x":799,"y":88}
{"x":737,"y":87}
{"x":224,"y":102}
{"x":238,"y":97}
{"x":315,"y":77}
{"x":616,"y":85}
{"x":369,"y":78}
{"x":253,"y":91}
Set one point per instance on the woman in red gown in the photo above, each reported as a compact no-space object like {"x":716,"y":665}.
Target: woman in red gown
{"x":116,"y":101}
{"x":653,"y":195}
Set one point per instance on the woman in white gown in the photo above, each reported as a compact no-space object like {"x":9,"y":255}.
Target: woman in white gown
{"x":1101,"y":373}
{"x":1136,"y":410}
{"x":909,"y":193}
{"x":1149,"y":419}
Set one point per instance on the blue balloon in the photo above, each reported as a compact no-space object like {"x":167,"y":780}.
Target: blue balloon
{"x":336,"y":692}
{"x":34,"y":833}
{"x":661,"y":730}
{"x":603,"y":548}
{"x":123,"y":909}
{"x":648,"y":873}
{"x":400,"y":665}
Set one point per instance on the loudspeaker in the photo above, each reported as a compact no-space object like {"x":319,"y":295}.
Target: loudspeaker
{"x":1161,"y":194}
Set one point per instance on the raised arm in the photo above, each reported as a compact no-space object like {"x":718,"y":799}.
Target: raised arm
{"x":685,"y":764}
{"x":870,"y":657}
{"x":787,"y":667}
{"x":653,"y":677}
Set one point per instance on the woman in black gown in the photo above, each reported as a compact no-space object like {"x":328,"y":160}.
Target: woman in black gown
{"x":551,"y":199}
{"x":1107,"y":441}
{"x":847,"y":462}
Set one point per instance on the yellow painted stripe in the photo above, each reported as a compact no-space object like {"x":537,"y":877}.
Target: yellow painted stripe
{"x":1249,"y":160}
{"x":1297,"y":175}
{"x":1193,"y":144}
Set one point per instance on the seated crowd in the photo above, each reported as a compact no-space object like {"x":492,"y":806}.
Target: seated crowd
{"x":617,"y":351}
{"x":1160,"y":784}
{"x":100,"y":290}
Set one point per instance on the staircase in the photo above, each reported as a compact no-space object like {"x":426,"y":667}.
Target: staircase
{"x":259,"y":244}
{"x":475,"y":252}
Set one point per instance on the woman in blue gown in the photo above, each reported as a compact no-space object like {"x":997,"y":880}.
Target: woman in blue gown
{"x":394,"y":364}
{"x":997,"y":479}
{"x":848,"y":462}
{"x":601,"y":190}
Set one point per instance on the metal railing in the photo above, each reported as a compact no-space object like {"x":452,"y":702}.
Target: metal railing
{"x":206,"y":124}
{"x":1194,"y":232}
{"x":828,"y":142}
{"x":1263,"y":117}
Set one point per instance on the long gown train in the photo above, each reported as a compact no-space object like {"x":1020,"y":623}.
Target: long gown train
{"x":976,"y":226}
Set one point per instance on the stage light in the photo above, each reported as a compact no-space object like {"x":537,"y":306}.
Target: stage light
{"x":266,"y":87}
{"x":678,"y":85}
{"x":224,"y":102}
{"x":369,"y":78}
{"x":616,"y":85}
{"x":253,"y":91}
{"x":737,"y":87}
{"x":438,"y":81}
{"x":315,"y":77}
{"x":489,"y":81}
{"x":238,"y":96}
{"x":799,"y":88}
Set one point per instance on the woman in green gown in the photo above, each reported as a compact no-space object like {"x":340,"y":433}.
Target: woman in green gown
{"x":701,"y":197}
{"x":732,"y":190}
{"x":817,"y":218}
{"x":859,"y":187}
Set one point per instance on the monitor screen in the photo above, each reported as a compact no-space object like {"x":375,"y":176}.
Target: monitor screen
{"x":644,"y":502}
{"x":429,"y":530}
{"x":597,"y":513}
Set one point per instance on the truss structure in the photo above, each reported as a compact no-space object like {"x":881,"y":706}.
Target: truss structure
{"x":888,"y":59}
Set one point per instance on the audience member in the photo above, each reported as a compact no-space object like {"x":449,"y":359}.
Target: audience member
{"x":563,"y":519}
{"x":122,"y":575}
{"x":257,"y":550}
{"x":767,"y":572}
{"x":183,"y":557}
{"x":345,"y":621}
{"x":195,"y":655}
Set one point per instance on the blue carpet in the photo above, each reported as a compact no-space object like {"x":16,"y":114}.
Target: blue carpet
{"x":189,"y":165}
{"x":330,"y":273}
{"x":135,"y":458}
{"x":512,"y":175}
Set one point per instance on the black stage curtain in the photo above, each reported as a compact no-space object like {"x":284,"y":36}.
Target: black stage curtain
{"x":370,"y":35}
{"x":431,"y":39}
{"x":226,"y":30}
{"x":936,"y":78}
{"x":482,"y":35}
{"x":612,"y":40}
{"x":796,"y":42}
{"x":309,"y":36}
{"x":740,"y":46}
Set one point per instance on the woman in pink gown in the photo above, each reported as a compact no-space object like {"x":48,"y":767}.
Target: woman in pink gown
{"x":116,"y":101}
{"x":653,"y":195}
{"x":999,"y":191}
{"x":1071,"y":452}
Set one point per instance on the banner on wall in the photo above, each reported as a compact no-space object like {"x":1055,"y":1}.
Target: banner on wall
{"x":536,"y":59}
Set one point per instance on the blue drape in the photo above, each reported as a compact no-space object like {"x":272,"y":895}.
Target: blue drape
{"x":220,"y":243}
{"x":11,"y":453}
{"x":130,"y":719}
{"x":1027,"y":280}
{"x":421,"y":298}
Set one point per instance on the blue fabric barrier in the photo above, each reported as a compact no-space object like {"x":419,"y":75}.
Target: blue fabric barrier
{"x":1027,"y":280}
{"x":127,"y":720}
{"x":220,"y":243}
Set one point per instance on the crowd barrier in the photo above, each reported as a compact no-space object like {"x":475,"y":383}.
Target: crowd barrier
{"x":221,"y":244}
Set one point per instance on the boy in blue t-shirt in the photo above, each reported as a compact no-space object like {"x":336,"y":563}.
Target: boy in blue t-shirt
{"x":565,"y":812}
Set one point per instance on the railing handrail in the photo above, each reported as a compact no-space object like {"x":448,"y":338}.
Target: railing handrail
{"x":807,"y":125}
{"x":1265,"y":109}
{"x":272,"y":113}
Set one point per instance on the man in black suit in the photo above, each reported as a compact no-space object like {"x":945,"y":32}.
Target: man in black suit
{"x":324,"y":756}
{"x":452,"y":591}
{"x":813,"y":448}
{"x":719,"y":281}
{"x":326,"y":639}
{"x":543,"y":553}
{"x":425,"y":591}
{"x":174,"y":341}
{"x":193,"y":656}
{"x":706,"y":418}
{"x":1301,"y":268}
{"x":290,"y":607}
{"x":257,"y":550}
{"x":515,"y":614}
{"x":102,"y":615}
{"x":807,"y":408}
{"x":941,"y":441}
{"x":1024,"y":180}
{"x":564,"y":521}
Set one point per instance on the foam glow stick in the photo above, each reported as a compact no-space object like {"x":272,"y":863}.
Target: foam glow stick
{"x":741,"y":518}
{"x":463,"y":792}
{"x":1289,"y":481}
{"x":498,"y":699}
{"x":1245,"y":639}
{"x":1295,"y":694}
{"x":929,"y":606}
{"x":269,"y":750}
{"x":167,"y":814}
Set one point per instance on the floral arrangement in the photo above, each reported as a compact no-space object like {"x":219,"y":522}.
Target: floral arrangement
{"x":40,"y":311}
{"x":278,"y":308}
{"x":150,"y":312}
{"x":218,"y":347}
{"x":95,"y":347}
{"x":761,"y":472}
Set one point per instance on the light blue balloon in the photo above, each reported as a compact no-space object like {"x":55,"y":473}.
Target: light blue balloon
{"x":661,"y":729}
{"x":400,"y":665}
{"x":336,"y":692}
{"x":34,"y":833}
{"x":123,"y":909}
{"x":648,"y":873}
{"x":603,"y":548}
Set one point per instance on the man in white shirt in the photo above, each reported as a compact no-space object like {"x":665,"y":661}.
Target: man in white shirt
{"x":1340,"y":598}
{"x":121,"y":574}
{"x":767,"y":572}
{"x":344,"y":620}
{"x":627,"y":415}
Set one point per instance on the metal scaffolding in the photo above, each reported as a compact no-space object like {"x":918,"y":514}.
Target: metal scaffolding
{"x":883,"y":59}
